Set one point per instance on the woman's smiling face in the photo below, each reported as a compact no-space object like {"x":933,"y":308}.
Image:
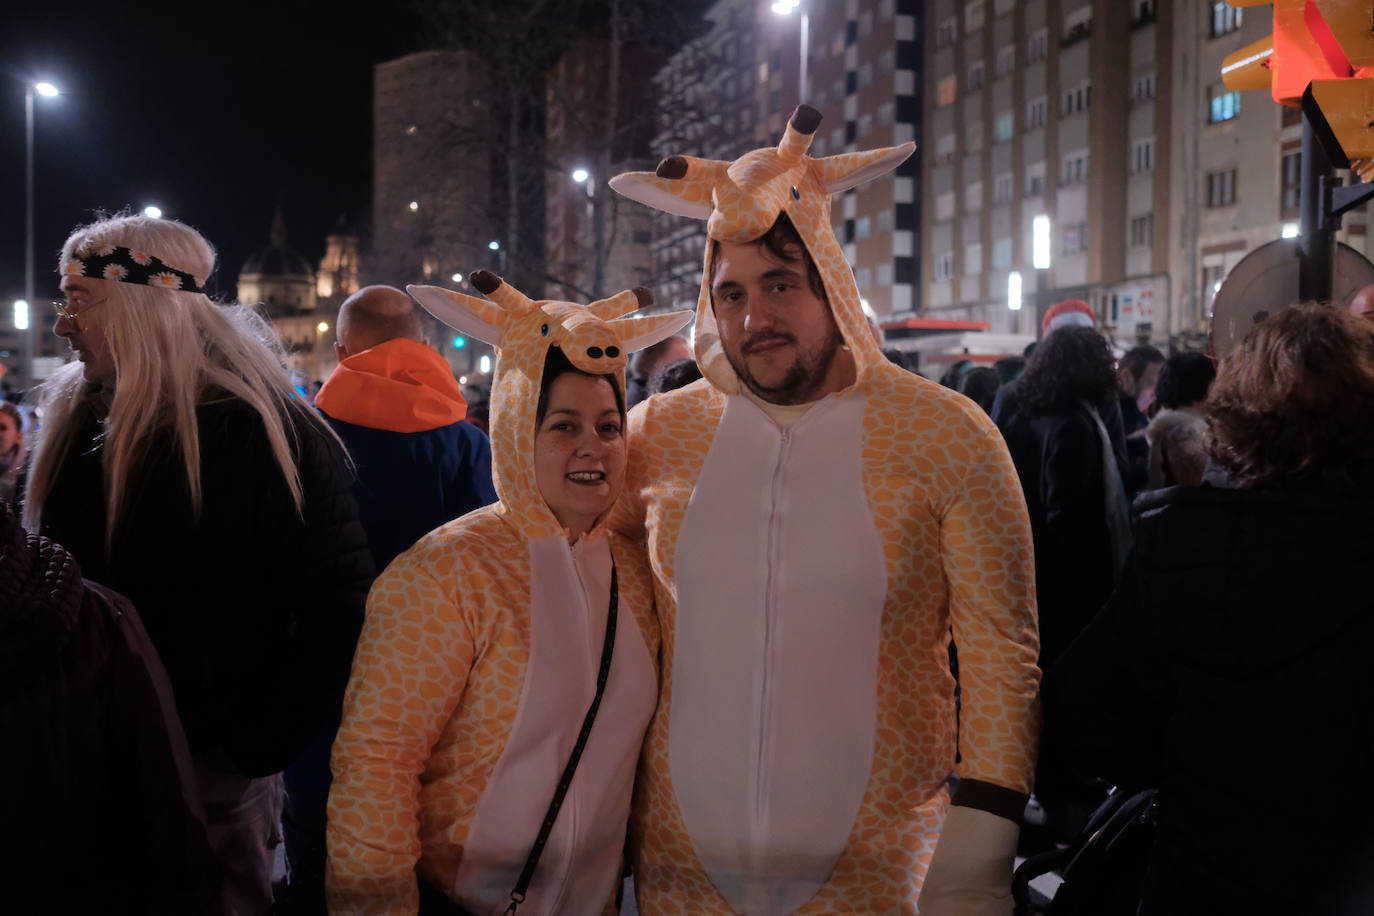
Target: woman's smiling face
{"x":579,"y":450}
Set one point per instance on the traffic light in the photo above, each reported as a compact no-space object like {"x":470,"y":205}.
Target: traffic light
{"x":1300,"y":50}
{"x":1320,"y":57}
{"x":459,"y":343}
{"x":1341,"y":109}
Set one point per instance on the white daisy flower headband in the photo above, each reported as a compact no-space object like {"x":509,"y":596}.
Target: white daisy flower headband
{"x":130,"y":266}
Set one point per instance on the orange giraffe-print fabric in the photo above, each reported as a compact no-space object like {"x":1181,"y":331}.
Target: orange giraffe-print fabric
{"x":944,"y":508}
{"x":478,"y":659}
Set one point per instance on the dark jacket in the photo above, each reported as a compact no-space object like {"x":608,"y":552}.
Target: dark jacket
{"x":419,"y":463}
{"x":1059,"y":460}
{"x":1232,"y":670}
{"x":254,"y":608}
{"x":98,"y":806}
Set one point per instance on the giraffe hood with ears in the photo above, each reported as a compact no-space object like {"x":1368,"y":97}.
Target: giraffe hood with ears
{"x":596,"y":338}
{"x":740,"y":200}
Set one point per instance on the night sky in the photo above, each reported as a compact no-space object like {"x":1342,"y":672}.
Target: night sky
{"x":217,"y":117}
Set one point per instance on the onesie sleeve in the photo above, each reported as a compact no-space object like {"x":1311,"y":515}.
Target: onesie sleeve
{"x":990,"y":567}
{"x":410,"y":669}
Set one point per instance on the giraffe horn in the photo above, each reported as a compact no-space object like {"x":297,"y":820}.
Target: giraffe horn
{"x":622,"y":303}
{"x":647,"y":330}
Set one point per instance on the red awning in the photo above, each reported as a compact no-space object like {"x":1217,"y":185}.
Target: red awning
{"x":934,"y":324}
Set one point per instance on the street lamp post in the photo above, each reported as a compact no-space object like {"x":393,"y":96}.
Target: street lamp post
{"x":785,"y":8}
{"x":584,"y":177}
{"x":48,"y":90}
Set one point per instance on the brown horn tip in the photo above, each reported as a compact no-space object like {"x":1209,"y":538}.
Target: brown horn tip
{"x":672,"y":167}
{"x":806,"y":119}
{"x":485,"y":281}
{"x":644,"y":295}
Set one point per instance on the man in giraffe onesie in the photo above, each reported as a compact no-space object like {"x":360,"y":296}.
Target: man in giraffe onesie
{"x":818,"y":521}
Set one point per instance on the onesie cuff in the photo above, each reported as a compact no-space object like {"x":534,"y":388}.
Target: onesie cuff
{"x":994,"y":799}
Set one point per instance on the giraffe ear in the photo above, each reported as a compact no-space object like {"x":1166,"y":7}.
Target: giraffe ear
{"x":680,"y":196}
{"x":638,"y":333}
{"x":474,"y":317}
{"x":849,"y":170}
{"x":622,"y":303}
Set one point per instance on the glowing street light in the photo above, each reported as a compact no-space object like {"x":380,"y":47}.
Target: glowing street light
{"x":494,"y":245}
{"x":1289,"y":231}
{"x":484,"y":364}
{"x":785,"y":8}
{"x":457,"y":278}
{"x":414,"y":206}
{"x":580,"y":175}
{"x":47,"y":90}
{"x":1014,"y":290}
{"x":152,"y":212}
{"x":1040,"y":242}
{"x":21,"y":315}
{"x":322,"y":327}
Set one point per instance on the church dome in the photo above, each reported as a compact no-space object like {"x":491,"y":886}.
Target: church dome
{"x":277,"y":260}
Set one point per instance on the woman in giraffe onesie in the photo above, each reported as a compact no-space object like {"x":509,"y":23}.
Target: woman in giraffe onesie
{"x":482,"y":643}
{"x":810,"y":560}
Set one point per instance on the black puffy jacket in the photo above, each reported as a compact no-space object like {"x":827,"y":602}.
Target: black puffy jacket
{"x":254,"y":607}
{"x":97,"y":797}
{"x":1231,"y":669}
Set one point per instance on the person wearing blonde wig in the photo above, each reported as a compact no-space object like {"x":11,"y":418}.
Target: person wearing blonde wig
{"x":179,"y":469}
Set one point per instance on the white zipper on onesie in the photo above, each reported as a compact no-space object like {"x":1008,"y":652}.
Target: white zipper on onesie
{"x":780,"y":584}
{"x":569,"y":593}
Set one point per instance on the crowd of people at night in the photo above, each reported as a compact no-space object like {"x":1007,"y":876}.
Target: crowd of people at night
{"x":755,"y":621}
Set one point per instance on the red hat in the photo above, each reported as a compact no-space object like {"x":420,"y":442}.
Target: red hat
{"x":1069,"y":312}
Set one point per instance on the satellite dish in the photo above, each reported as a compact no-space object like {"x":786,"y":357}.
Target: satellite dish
{"x":1266,"y":281}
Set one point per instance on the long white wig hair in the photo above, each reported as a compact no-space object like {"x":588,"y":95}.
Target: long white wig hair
{"x":170,"y":349}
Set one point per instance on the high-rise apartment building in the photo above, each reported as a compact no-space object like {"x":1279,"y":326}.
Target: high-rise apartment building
{"x":1108,"y":120}
{"x":432,"y":180}
{"x":599,"y":119}
{"x":741,"y":81}
{"x":431,"y":190}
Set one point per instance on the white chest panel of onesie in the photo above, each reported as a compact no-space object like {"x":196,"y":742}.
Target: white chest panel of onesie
{"x":569,"y":594}
{"x":780,"y":586}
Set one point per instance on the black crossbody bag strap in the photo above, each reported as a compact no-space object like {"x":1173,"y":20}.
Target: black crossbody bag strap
{"x":522,"y":885}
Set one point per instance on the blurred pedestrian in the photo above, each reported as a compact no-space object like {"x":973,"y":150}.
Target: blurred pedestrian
{"x":180,"y":468}
{"x":1231,"y":667}
{"x":1009,"y":367}
{"x":980,"y":385}
{"x":394,"y":402}
{"x":1177,"y":434}
{"x":1071,"y":475}
{"x":645,"y":364}
{"x":1137,"y":375}
{"x":677,"y":374}
{"x":12,"y":452}
{"x":492,"y":641}
{"x":99,"y":804}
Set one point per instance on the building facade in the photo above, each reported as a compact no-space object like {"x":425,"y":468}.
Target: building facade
{"x":1108,"y":121}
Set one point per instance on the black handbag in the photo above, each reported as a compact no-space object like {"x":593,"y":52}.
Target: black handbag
{"x":436,"y":903}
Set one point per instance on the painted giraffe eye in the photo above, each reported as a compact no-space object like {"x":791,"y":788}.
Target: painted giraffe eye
{"x":543,"y":330}
{"x":796,"y":195}
{"x":612,"y":352}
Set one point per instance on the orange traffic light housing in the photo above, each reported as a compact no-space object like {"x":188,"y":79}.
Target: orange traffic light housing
{"x":1302,"y":49}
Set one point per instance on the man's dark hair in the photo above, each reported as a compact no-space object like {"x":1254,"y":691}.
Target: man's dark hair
{"x":648,"y":356}
{"x":980,"y":385}
{"x":1009,"y":367}
{"x":1184,"y":380}
{"x":1140,"y":358}
{"x":677,"y":374}
{"x":779,"y":241}
{"x":557,"y":364}
{"x":1072,"y":364}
